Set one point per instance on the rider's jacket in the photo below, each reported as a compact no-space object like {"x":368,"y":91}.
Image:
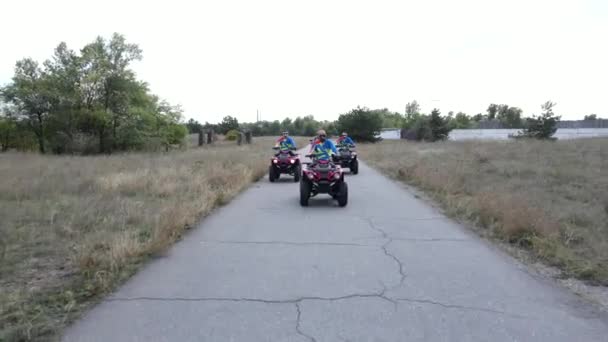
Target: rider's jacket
{"x":323,"y":150}
{"x":345,"y":140}
{"x":284,"y":143}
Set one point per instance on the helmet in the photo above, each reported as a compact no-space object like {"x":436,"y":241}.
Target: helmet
{"x":285,"y":133}
{"x":344,"y":134}
{"x":321,"y":132}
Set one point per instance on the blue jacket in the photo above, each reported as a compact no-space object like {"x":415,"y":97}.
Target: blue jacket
{"x":323,"y":150}
{"x":285,"y":143}
{"x":346,"y":141}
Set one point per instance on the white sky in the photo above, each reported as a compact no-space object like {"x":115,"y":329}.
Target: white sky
{"x":289,"y":58}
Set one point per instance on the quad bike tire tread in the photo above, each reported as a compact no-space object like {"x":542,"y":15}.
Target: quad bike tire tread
{"x":343,"y":194}
{"x":297,"y":174}
{"x":272,"y":174}
{"x":305,"y":188}
{"x":354,"y":167}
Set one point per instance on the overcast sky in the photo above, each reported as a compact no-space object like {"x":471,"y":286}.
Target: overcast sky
{"x":289,"y":58}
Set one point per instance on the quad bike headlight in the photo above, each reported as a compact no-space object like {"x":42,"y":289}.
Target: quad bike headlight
{"x":275,"y":161}
{"x":293,"y":161}
{"x":310,"y":176}
{"x":336,"y":176}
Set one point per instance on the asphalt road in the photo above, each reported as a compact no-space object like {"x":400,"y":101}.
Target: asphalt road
{"x":388,"y":267}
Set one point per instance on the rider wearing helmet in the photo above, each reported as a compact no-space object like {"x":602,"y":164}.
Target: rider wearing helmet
{"x":345,"y":139}
{"x":285,"y":142}
{"x":322,"y":148}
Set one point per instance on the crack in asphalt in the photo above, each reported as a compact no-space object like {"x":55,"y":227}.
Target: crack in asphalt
{"x":296,"y":302}
{"x":289,"y":243}
{"x":431,"y":239}
{"x":460,"y":307}
{"x":432,"y":218}
{"x":386,"y":251}
{"x":380,"y":294}
{"x":399,"y":263}
{"x":298,"y":322}
{"x":371,"y":224}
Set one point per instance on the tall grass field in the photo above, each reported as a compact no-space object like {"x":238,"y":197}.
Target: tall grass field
{"x":73,"y":227}
{"x":547,"y":197}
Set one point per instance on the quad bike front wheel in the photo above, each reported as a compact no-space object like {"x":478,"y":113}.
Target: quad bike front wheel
{"x":354,"y":167}
{"x":342,"y":196}
{"x":305,"y":188}
{"x":272,"y":174}
{"x":297,"y":173}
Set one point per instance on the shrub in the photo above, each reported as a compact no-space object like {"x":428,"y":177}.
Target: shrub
{"x":232,"y":135}
{"x":362,"y":124}
{"x":542,"y":126}
{"x":439,"y":126}
{"x":429,"y":127}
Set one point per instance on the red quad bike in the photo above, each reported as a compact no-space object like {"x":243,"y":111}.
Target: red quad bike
{"x":285,"y":161}
{"x":323,"y":177}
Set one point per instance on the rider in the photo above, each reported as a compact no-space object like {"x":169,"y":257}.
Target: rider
{"x":345,"y":139}
{"x":322,"y":148}
{"x":285,"y":143}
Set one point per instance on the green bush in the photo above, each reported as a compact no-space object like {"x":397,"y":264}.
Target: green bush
{"x":362,"y":124}
{"x":542,"y":126}
{"x":428,"y":127}
{"x":232,"y":135}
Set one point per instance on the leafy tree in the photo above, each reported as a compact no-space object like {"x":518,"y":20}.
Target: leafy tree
{"x":298,"y":124}
{"x":510,"y":117}
{"x":275,"y":127}
{"x":542,"y":126}
{"x":362,"y":124}
{"x":193,"y":126}
{"x":478,"y":117}
{"x":461,"y":121}
{"x":438,"y":125}
{"x":429,"y":127}
{"x":590,"y":117}
{"x":31,"y":93}
{"x":330,"y":127}
{"x":64,"y":76}
{"x":286,"y":125}
{"x":411,"y":120}
{"x":412,"y":108}
{"x":227,"y":124}
{"x":90,"y":93}
{"x":8,"y":128}
{"x":492,"y":111}
{"x":390,"y":119}
{"x":420,"y":129}
{"x":310,"y":128}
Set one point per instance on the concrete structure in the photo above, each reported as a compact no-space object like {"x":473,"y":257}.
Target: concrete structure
{"x":390,"y":133}
{"x":503,"y":134}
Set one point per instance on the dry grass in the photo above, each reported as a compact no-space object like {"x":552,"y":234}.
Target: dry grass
{"x":73,"y":227}
{"x":550,"y":198}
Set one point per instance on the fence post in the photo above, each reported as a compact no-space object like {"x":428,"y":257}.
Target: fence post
{"x":201,"y":138}
{"x":210,"y":136}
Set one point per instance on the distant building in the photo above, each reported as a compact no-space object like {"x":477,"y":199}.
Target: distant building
{"x":390,"y":133}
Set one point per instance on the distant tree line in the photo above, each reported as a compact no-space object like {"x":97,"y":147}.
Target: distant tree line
{"x":90,"y":101}
{"x":300,"y":126}
{"x":86,"y":101}
{"x":364,"y":124}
